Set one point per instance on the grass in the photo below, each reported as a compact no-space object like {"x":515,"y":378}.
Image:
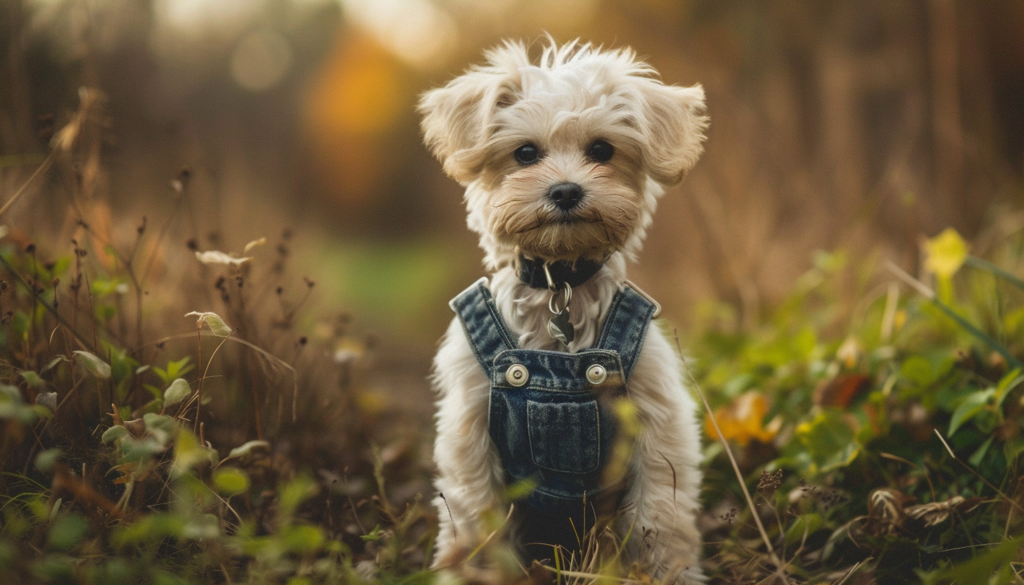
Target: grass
{"x":165,"y":419}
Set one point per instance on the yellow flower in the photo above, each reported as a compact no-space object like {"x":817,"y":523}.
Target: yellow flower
{"x":741,"y":421}
{"x":945,"y":253}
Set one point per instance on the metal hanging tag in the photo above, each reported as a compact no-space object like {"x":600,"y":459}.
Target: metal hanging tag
{"x":561,"y":329}
{"x":559,"y":326}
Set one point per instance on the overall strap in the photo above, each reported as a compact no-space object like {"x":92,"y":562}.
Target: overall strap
{"x":625,"y":328}
{"x":486,"y":331}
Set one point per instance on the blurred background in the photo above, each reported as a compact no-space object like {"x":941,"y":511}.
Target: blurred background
{"x":860,"y":124}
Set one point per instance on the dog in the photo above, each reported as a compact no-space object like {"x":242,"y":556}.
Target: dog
{"x":563,"y":163}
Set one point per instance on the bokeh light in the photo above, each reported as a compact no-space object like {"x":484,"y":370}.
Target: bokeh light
{"x":261,"y":60}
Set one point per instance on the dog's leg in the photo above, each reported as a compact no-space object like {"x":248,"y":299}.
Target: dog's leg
{"x":469,"y":471}
{"x":662,"y":504}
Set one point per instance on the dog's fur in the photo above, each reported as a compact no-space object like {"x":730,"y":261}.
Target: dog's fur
{"x":575,"y":95}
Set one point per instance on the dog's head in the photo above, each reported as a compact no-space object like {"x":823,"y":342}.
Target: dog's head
{"x":563,"y":159}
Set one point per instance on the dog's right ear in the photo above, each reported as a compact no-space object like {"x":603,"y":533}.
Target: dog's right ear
{"x":457,"y":117}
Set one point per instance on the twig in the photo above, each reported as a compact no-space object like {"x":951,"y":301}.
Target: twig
{"x":206,"y":371}
{"x":455,"y":530}
{"x":910,"y":280}
{"x":21,"y":280}
{"x":199,"y":404}
{"x":852,"y":570}
{"x":732,"y":460}
{"x":674,"y":480}
{"x":511,"y":508}
{"x":1010,"y":500}
{"x":45,"y":166}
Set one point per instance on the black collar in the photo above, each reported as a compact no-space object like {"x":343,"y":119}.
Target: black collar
{"x":575,"y":273}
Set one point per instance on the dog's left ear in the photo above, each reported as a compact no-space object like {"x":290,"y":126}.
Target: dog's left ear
{"x":675,"y":124}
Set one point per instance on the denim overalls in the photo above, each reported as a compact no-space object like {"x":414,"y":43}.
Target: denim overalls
{"x":552,"y":414}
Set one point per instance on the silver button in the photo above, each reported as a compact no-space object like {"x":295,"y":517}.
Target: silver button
{"x":517,"y":375}
{"x":596,"y":374}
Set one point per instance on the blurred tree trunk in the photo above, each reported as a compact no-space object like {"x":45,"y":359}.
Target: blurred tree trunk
{"x":943,"y":52}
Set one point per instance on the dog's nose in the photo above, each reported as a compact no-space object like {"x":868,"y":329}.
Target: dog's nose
{"x":566,"y":195}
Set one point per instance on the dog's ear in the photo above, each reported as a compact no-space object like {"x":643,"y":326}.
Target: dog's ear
{"x":675,"y":124}
{"x":456,"y":117}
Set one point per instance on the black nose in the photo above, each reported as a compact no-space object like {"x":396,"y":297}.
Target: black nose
{"x":566,"y":195}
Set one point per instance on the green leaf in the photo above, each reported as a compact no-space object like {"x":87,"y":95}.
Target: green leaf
{"x":250,"y":449}
{"x":176,"y":392}
{"x":805,"y":525}
{"x":153,"y":406}
{"x":293,"y":493}
{"x":114,"y":433}
{"x":1012,"y":449}
{"x":49,"y":366}
{"x":1007,"y":385}
{"x":116,"y":571}
{"x":969,"y":408}
{"x":46,"y":460}
{"x":979,"y":455}
{"x":230,"y":481}
{"x":829,"y":441}
{"x":204,"y":527}
{"x":303,"y":539}
{"x":178,"y":369}
{"x":152,"y":527}
{"x":374,"y":535}
{"x":211,"y":320}
{"x":137,"y":450}
{"x":121,"y":364}
{"x":67,"y":531}
{"x":981,"y":569}
{"x":33,"y":379}
{"x":94,"y":365}
{"x":161,"y":426}
{"x":156,"y":392}
{"x":188,"y":453}
{"x":521,"y":489}
{"x":10,"y":393}
{"x":162,"y":578}
{"x":55,"y":568}
{"x":918,"y":370}
{"x":12,"y":406}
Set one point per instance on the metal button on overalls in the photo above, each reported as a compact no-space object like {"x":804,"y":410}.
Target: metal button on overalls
{"x":517,"y":375}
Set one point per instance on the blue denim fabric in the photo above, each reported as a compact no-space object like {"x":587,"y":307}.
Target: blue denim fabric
{"x":558,"y":429}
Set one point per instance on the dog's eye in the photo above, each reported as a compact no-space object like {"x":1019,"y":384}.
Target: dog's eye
{"x":600,"y":151}
{"x":527,"y":154}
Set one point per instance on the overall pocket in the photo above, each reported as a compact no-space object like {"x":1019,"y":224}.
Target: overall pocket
{"x":565,"y":437}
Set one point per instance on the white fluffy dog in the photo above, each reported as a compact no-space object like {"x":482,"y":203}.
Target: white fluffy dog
{"x":563,"y":162}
